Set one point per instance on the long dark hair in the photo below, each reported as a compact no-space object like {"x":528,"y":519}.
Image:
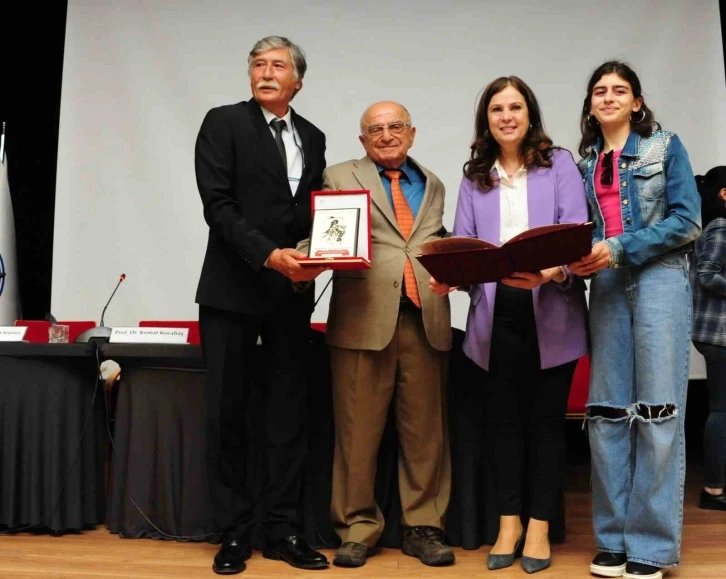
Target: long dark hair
{"x":709,"y":186}
{"x":536,"y":149}
{"x":642,"y":123}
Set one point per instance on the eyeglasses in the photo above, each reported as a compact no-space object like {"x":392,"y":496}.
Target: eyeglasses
{"x":394,"y":128}
{"x":606,"y":177}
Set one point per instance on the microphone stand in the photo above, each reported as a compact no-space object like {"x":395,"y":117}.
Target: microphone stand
{"x":100,"y":332}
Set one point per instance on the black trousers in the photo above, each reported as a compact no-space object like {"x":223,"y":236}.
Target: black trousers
{"x":714,"y":433}
{"x":526,"y":408}
{"x":235,"y":365}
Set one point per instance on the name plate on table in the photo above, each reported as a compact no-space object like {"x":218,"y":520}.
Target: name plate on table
{"x":12,"y":333}
{"x":149,"y":335}
{"x":340,"y":237}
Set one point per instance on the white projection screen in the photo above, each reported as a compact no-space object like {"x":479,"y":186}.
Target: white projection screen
{"x":139,"y":76}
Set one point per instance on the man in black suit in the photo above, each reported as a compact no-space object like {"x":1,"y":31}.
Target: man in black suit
{"x":256,"y":163}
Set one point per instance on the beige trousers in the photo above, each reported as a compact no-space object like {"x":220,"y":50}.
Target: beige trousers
{"x":413,"y":375}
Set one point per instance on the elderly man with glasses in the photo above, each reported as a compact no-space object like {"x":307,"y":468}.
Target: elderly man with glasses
{"x":389,"y":338}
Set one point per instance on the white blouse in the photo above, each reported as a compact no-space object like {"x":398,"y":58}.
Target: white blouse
{"x":513,"y":211}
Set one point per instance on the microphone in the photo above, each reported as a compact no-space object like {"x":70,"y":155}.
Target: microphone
{"x":103,"y":314}
{"x":101,"y":331}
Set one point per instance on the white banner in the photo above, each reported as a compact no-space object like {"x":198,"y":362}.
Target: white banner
{"x":138,"y":80}
{"x":9,"y":298}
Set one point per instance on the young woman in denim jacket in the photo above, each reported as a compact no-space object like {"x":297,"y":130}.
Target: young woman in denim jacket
{"x":708,"y":276}
{"x":646,"y":213}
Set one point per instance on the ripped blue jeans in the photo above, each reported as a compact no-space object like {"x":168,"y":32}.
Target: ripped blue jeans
{"x":640,"y":320}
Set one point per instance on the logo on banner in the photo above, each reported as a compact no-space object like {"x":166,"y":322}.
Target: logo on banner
{"x":2,"y":274}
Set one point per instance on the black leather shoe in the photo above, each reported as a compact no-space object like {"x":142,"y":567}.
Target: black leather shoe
{"x":642,"y":571}
{"x":295,"y":551}
{"x":608,"y":564}
{"x":712,"y":502}
{"x":231,"y":557}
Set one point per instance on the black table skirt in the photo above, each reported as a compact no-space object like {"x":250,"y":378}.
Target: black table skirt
{"x":51,"y":438}
{"x":158,"y":458}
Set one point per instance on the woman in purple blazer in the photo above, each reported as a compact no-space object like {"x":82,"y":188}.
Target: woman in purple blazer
{"x":528,"y":330}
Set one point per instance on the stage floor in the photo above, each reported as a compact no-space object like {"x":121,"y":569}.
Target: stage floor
{"x":98,"y":554}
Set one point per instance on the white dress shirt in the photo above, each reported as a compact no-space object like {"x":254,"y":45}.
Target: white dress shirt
{"x":513,"y":211}
{"x":513,"y":208}
{"x":293,"y":147}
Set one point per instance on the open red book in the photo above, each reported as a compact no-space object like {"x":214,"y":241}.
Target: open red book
{"x":459,"y":261}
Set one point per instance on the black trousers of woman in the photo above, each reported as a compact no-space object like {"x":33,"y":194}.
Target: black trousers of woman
{"x":526,"y":408}
{"x":714,"y":434}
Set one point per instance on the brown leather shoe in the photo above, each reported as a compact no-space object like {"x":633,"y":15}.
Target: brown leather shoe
{"x":427,"y":543}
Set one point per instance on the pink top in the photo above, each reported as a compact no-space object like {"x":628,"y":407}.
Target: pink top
{"x":608,"y":196}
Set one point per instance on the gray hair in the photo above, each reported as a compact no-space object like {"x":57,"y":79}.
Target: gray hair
{"x":297,"y":55}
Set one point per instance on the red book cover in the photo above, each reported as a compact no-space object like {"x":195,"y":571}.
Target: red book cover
{"x":460,"y":261}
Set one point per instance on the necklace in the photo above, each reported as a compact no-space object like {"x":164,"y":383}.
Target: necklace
{"x":511,"y":172}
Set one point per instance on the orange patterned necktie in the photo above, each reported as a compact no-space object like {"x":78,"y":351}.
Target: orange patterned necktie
{"x":405,"y":219}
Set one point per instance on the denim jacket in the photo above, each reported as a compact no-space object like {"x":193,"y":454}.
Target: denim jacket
{"x":659,"y":202}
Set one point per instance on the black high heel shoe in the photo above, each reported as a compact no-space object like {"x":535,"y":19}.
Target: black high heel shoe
{"x":495,"y":562}
{"x":534,"y":565}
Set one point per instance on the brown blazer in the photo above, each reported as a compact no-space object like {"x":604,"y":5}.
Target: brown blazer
{"x":364,"y":304}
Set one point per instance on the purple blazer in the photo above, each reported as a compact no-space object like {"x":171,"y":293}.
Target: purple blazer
{"x":554,"y":195}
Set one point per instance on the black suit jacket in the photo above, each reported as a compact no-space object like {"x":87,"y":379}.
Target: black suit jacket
{"x":248,"y":205}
